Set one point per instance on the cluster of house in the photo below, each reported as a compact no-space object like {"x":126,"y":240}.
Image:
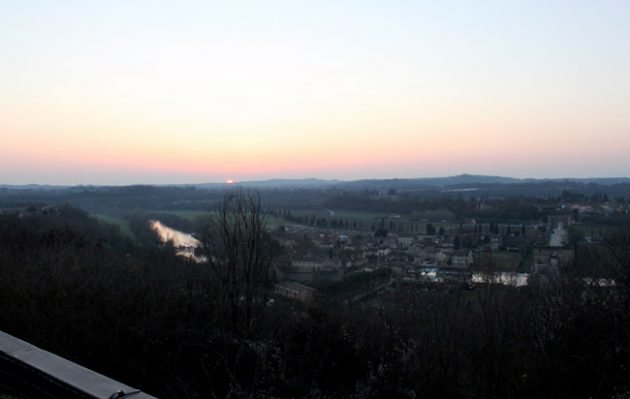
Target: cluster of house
{"x":445,"y":256}
{"x":310,"y":270}
{"x":600,"y":209}
{"x":331,"y":256}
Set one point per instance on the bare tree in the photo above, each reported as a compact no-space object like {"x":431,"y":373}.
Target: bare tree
{"x":236,"y":246}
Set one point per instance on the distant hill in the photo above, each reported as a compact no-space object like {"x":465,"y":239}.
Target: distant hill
{"x":604,"y":181}
{"x":284,"y":183}
{"x":121,"y":200}
{"x":271,"y":183}
{"x":41,"y":187}
{"x":463,"y":179}
{"x":424,"y":183}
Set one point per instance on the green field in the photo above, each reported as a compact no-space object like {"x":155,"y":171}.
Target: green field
{"x":274,"y":222}
{"x":336,"y":214}
{"x":188,"y":215}
{"x":195,"y":216}
{"x":367,"y":220}
{"x":363,"y":220}
{"x":123,"y":224}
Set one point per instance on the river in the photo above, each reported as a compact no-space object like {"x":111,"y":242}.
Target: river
{"x":184,"y":243}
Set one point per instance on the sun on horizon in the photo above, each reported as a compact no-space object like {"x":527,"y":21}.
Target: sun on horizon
{"x":140,"y":92}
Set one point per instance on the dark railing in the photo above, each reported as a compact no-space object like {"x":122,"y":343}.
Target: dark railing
{"x":27,"y":371}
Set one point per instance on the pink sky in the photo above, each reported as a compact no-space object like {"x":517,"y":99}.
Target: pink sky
{"x":142,"y":93}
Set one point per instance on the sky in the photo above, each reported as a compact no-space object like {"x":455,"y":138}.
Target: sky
{"x":134,"y":91}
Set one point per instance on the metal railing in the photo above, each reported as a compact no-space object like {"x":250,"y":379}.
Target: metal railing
{"x":31,"y":372}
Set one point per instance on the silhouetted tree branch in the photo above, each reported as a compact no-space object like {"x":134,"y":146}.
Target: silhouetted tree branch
{"x":236,"y":246}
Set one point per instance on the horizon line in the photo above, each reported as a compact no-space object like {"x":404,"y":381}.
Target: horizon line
{"x":232,"y":182}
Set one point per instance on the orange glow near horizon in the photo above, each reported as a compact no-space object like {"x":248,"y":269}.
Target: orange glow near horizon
{"x":353,"y":153}
{"x":228,"y":90}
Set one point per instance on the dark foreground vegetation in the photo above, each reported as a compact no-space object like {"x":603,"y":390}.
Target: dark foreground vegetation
{"x":139,"y":313}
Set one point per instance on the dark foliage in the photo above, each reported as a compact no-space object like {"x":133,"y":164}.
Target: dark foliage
{"x":151,"y":319}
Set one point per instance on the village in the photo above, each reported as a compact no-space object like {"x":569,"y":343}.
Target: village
{"x":464,"y":254}
{"x":403,"y":278}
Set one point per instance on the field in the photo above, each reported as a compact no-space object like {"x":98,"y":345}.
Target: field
{"x":369,"y":221}
{"x":196,"y":216}
{"x":274,"y":222}
{"x":188,"y":215}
